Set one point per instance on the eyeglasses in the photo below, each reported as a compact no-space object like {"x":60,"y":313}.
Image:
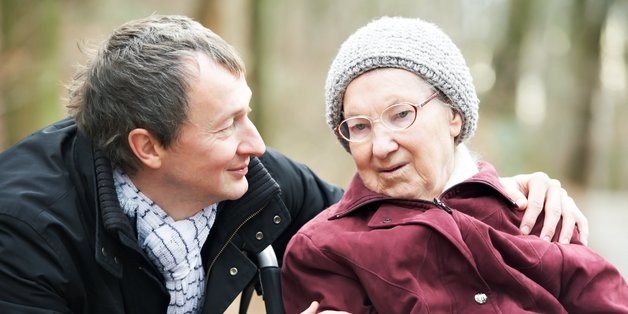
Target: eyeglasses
{"x":395,"y":117}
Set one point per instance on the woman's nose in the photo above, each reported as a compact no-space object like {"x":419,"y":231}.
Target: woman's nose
{"x":383,"y":141}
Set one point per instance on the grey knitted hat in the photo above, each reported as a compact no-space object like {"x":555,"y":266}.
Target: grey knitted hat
{"x":410,"y":44}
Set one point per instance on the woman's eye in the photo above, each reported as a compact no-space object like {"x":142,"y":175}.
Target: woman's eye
{"x":402,"y":114}
{"x":359,"y":127}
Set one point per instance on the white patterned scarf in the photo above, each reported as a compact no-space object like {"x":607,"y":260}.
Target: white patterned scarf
{"x":174,"y":247}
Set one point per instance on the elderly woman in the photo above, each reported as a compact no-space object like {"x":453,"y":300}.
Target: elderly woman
{"x":423,"y":227}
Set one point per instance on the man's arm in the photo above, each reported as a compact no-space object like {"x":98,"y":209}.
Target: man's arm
{"x":29,"y":271}
{"x":537,"y":193}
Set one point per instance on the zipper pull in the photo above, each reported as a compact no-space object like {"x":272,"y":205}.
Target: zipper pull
{"x":441,"y":205}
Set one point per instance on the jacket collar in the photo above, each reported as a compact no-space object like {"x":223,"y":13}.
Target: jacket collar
{"x":262,"y":187}
{"x":93,"y":178}
{"x":111,"y":219}
{"x":233,"y":215}
{"x":392,"y":212}
{"x":358,"y":196}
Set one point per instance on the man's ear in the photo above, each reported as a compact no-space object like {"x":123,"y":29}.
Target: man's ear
{"x":146,"y":148}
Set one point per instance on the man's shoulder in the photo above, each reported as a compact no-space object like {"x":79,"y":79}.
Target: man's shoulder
{"x":35,"y":172}
{"x":273,"y":157}
{"x":283,"y":169}
{"x":47,"y":142}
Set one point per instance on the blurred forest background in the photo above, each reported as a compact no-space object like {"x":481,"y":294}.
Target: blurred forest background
{"x":551,"y":76}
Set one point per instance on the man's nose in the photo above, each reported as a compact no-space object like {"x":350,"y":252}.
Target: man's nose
{"x":252,"y":143}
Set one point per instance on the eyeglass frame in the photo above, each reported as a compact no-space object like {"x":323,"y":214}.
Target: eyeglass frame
{"x":416,"y":113}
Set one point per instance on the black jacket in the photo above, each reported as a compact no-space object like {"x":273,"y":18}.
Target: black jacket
{"x":66,"y":246}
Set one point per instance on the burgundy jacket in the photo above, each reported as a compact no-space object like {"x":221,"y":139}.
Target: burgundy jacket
{"x":462,"y":253}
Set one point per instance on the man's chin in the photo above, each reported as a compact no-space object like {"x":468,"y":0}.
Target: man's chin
{"x":238,"y":189}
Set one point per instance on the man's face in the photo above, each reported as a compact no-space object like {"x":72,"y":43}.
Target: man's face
{"x":208,"y":162}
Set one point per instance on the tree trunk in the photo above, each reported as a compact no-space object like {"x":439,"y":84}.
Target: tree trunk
{"x":30,"y":67}
{"x":506,"y":60}
{"x":587,"y":19}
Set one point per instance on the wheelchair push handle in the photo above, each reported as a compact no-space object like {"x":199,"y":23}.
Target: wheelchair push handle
{"x":269,"y":273}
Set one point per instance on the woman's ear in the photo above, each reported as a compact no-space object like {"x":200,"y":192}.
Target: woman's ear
{"x":146,"y":148}
{"x":455,"y":123}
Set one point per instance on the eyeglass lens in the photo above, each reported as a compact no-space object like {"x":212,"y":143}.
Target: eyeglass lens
{"x":395,"y":117}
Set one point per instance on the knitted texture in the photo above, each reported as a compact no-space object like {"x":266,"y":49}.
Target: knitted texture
{"x":174,"y":247}
{"x":410,"y":44}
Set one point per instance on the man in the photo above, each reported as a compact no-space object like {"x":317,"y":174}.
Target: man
{"x":156,"y":192}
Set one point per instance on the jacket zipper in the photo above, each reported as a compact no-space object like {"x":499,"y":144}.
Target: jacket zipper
{"x":227,"y":243}
{"x":441,"y":205}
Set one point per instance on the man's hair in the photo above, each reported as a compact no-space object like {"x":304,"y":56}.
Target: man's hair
{"x":138,"y":78}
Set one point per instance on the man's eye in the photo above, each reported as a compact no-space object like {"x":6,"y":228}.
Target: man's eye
{"x":229,"y":127}
{"x":225,"y":127}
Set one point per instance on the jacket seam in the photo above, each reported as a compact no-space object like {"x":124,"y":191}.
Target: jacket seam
{"x":331,"y":255}
{"x":55,"y":250}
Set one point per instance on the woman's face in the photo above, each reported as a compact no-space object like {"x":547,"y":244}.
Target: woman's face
{"x":414,"y":163}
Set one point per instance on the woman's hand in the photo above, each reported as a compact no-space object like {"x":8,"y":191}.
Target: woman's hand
{"x":314,"y":307}
{"x":537,"y":192}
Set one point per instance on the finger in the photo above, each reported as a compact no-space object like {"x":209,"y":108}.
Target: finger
{"x":537,"y":185}
{"x":569,"y":217}
{"x":515,"y":188}
{"x":311,"y":309}
{"x":518,"y":197}
{"x":583,"y":227}
{"x":553,"y":210}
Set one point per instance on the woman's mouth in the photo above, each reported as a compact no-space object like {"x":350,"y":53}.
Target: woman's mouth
{"x":391,"y":170}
